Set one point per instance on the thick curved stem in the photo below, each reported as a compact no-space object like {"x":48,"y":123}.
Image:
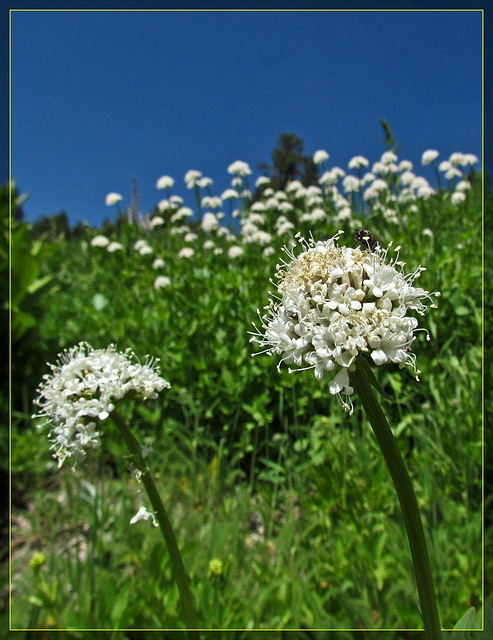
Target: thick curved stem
{"x":407,"y":500}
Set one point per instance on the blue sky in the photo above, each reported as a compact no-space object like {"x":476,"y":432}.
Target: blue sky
{"x":100,"y":97}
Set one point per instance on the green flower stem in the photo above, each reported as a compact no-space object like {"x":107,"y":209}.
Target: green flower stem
{"x":164,"y":523}
{"x":407,"y":499}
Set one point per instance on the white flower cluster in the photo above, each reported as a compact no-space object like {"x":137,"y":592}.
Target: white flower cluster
{"x":335,"y":302}
{"x":85,"y":385}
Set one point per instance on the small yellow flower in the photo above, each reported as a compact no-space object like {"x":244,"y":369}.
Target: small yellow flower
{"x":215,"y":567}
{"x":37,"y":561}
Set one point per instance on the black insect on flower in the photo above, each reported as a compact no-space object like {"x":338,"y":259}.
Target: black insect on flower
{"x":367,"y":239}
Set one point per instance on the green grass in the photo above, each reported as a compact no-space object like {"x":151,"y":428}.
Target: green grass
{"x":259,"y":469}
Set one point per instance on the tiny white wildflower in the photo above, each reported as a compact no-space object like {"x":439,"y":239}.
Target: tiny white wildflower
{"x":351,"y":184}
{"x":165,"y":182}
{"x":112,"y":198}
{"x":100,"y":241}
{"x":469,"y":159}
{"x":357,"y":162}
{"x":458,"y":197}
{"x":320,"y":156}
{"x":229,"y":194}
{"x":452,"y":173}
{"x":429,"y":156}
{"x":209,"y":222}
{"x":161,"y":281}
{"x":114,"y":246}
{"x":261,"y":180}
{"x":143,"y":514}
{"x":388,"y":157}
{"x":463,"y":185}
{"x":186,"y":252}
{"x":204,"y":182}
{"x":405,"y":165}
{"x":191,"y":178}
{"x":156,"y":221}
{"x":235,"y":251}
{"x":239,"y":168}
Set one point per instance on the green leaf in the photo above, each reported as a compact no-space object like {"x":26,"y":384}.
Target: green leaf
{"x":39,"y":284}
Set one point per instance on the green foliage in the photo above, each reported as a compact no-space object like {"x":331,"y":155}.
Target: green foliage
{"x":261,"y":469}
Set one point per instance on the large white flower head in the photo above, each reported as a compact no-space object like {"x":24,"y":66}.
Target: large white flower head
{"x":335,"y":302}
{"x":84,"y":387}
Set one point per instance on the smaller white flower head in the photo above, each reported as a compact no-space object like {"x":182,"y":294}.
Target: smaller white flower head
{"x":463,"y":185}
{"x":458,"y":197}
{"x":388,"y":157}
{"x":185,"y":212}
{"x":351,"y":184}
{"x":357,"y":162}
{"x":469,"y":159}
{"x":83,"y":389}
{"x":452,"y":173}
{"x":156,"y":221}
{"x":165,"y":182}
{"x":204,"y":182}
{"x":239,"y":168}
{"x":191,"y":178}
{"x":456,"y":158}
{"x":100,"y":241}
{"x":114,"y":246}
{"x":235,"y":251}
{"x":209,"y":222}
{"x":429,"y":156}
{"x":186,"y":252}
{"x":405,"y":165}
{"x":112,"y":198}
{"x":158,"y":263}
{"x":229,"y":194}
{"x":161,"y":281}
{"x":320,"y":156}
{"x":261,"y":180}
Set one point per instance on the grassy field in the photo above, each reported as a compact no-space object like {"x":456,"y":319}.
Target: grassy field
{"x":284,"y":510}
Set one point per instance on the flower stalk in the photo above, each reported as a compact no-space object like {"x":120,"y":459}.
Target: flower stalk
{"x":164,"y":524}
{"x":407,"y":500}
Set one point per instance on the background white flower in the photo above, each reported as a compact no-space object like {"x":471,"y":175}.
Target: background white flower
{"x":165,"y":182}
{"x":161,"y":281}
{"x":239,"y":168}
{"x":320,"y":156}
{"x":112,"y":198}
{"x":100,"y":241}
